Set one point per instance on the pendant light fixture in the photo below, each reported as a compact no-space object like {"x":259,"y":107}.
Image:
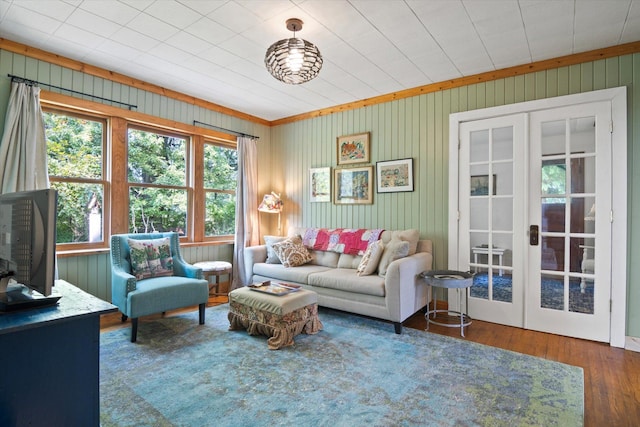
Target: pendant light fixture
{"x":295,"y":60}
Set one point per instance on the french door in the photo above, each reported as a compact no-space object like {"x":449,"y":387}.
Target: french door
{"x":534,"y":207}
{"x":570,"y":229}
{"x":491,"y":203}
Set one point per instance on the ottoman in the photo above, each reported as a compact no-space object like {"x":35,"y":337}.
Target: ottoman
{"x":279,"y":317}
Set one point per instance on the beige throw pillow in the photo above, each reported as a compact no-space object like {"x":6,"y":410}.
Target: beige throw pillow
{"x":393,"y":250}
{"x":370,"y":259}
{"x":272,"y":258}
{"x":292,"y":252}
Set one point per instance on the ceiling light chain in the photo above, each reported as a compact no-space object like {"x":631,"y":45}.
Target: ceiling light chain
{"x":294,"y":60}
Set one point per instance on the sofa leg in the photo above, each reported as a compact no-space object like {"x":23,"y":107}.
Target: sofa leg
{"x":134,"y":329}
{"x":201,"y":308}
{"x":398,"y":327}
{"x":124,"y":318}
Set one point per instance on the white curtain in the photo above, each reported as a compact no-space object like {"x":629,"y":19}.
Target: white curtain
{"x":23,"y":149}
{"x":247,"y":232}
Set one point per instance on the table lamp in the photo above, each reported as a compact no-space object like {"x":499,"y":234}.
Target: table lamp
{"x":271,"y":203}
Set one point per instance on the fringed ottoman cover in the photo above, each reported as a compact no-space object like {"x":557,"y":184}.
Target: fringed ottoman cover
{"x":279,"y":317}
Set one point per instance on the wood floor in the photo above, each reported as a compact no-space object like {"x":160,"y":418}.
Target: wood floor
{"x":611,"y":375}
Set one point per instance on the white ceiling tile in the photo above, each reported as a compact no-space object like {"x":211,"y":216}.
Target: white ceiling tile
{"x":203,"y":7}
{"x":215,"y":49}
{"x":32,"y":20}
{"x":235,"y":17}
{"x":134,"y":39}
{"x":209,"y":30}
{"x":151,"y":27}
{"x":117,"y":12}
{"x":173,"y":13}
{"x":54,"y":9}
{"x":92,"y":23}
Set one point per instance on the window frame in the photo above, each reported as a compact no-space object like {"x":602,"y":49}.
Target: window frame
{"x":115,"y":170}
{"x":103,"y":181}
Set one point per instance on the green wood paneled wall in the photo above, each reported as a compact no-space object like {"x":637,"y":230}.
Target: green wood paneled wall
{"x":93,"y":272}
{"x":415,"y":127}
{"x":418,"y":127}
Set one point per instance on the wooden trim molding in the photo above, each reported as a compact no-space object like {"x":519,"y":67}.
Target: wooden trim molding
{"x":563,"y":61}
{"x":72,"y":64}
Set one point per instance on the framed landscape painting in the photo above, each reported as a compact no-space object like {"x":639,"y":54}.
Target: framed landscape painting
{"x":395,"y":175}
{"x":353,"y":186}
{"x":320,"y":184}
{"x":353,"y":149}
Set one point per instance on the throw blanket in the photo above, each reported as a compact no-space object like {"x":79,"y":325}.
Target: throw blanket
{"x":352,"y":241}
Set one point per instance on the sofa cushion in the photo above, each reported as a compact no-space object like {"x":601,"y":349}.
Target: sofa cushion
{"x":347,"y":279}
{"x":393,"y":250}
{"x":280,"y":272}
{"x":411,"y":235}
{"x":269,"y":241}
{"x":370,"y":259}
{"x":292,"y":252}
{"x":349,"y":261}
{"x":324,"y":258}
{"x":150,"y":258}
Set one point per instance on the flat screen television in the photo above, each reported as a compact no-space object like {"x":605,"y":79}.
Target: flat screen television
{"x":27,"y":249}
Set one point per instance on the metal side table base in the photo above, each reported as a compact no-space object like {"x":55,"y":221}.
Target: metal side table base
{"x":449,"y":279}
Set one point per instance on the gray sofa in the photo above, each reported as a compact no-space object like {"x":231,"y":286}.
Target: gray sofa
{"x":394,"y":296}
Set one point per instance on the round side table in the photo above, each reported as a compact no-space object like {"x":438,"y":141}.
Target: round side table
{"x":449,"y":279}
{"x":216,"y":268}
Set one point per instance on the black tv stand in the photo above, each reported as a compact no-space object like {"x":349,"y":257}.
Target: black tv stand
{"x":19,"y":297}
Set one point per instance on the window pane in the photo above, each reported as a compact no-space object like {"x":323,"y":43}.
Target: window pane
{"x":220,"y":167}
{"x":156,"y":159}
{"x":74,"y":146}
{"x":79,"y":212}
{"x":157,"y":210}
{"x":220,"y":214}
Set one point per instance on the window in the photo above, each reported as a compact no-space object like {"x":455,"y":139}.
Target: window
{"x":220,"y":180}
{"x":157,"y":177}
{"x":115,"y":175}
{"x":75,"y":147}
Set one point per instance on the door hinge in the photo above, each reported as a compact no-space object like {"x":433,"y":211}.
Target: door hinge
{"x":458,"y":215}
{"x":611,"y":126}
{"x":610,"y":306}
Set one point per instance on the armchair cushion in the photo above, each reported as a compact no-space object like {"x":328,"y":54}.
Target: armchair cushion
{"x":150,"y":258}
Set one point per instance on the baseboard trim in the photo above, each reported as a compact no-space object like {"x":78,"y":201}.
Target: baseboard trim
{"x":632,"y":343}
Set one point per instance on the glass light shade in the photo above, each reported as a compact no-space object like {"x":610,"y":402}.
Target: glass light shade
{"x":293,"y":60}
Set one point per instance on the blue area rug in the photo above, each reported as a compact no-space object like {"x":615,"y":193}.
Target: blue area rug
{"x":356,"y":372}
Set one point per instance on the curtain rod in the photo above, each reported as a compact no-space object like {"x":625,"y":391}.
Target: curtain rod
{"x":36,"y":83}
{"x":196,"y":122}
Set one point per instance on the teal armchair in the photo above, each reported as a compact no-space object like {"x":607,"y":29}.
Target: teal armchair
{"x":180,"y":284}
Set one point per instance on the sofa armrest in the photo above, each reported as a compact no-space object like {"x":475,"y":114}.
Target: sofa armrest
{"x":253,"y":255}
{"x":405,"y":292}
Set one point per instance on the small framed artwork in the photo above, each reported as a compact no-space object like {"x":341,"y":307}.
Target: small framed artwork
{"x":395,"y":175}
{"x":320,"y":184}
{"x":353,"y":149}
{"x":353,"y":186}
{"x":480,"y":185}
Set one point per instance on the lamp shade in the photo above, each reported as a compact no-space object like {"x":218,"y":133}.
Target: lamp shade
{"x":293,"y":60}
{"x":271,"y":203}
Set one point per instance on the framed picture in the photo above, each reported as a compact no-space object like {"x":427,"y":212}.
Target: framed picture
{"x":395,"y":175}
{"x":480,"y":185}
{"x":320,"y":184}
{"x":353,"y":149}
{"x":353,"y":186}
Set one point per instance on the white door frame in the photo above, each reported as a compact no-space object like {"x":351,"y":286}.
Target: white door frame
{"x":618,"y":99}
